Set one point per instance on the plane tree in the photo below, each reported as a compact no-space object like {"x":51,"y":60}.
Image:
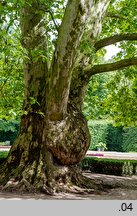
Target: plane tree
{"x":58,"y":65}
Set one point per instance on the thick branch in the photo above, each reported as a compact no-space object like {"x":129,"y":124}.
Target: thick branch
{"x":70,"y":33}
{"x":34,"y":40}
{"x":114,"y":39}
{"x":97,"y":69}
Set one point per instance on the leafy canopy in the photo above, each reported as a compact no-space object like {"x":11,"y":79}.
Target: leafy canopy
{"x":114,"y":95}
{"x":108,"y":95}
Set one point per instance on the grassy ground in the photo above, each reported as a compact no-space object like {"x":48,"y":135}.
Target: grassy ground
{"x":3,"y":154}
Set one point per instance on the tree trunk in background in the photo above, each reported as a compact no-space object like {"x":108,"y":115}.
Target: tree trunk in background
{"x":54,"y":136}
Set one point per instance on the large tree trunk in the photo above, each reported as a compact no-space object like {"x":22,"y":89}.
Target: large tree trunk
{"x":45,"y":152}
{"x":54,"y":136}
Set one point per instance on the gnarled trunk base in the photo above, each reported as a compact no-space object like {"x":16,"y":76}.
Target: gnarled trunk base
{"x":44,"y":157}
{"x":63,"y":179}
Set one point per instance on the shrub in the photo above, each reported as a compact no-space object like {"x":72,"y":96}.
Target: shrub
{"x":109,"y":166}
{"x":101,"y":146}
{"x":8,"y":130}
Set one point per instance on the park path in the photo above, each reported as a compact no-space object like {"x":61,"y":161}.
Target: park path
{"x":112,"y":154}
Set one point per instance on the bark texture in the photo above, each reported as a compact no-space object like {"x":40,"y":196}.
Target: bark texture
{"x":54,"y":136}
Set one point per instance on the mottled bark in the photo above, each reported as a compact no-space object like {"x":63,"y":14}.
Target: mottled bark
{"x":78,"y":87}
{"x":80,"y":76}
{"x":54,"y":136}
{"x":68,"y":139}
{"x":34,"y":40}
{"x":70,"y":33}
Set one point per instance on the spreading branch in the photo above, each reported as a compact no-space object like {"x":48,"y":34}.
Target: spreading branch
{"x":114,"y":39}
{"x":101,"y":68}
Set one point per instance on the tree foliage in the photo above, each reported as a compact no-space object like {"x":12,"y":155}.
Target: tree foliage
{"x":122,"y":98}
{"x":11,"y":61}
{"x":119,"y":26}
{"x":113,"y":95}
{"x":103,"y":131}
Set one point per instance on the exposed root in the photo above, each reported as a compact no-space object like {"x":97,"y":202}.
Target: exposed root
{"x":22,"y":186}
{"x":64,"y":180}
{"x":40,"y":178}
{"x":86,"y":184}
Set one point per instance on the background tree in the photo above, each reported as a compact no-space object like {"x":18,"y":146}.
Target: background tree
{"x":54,"y":136}
{"x":11,"y":61}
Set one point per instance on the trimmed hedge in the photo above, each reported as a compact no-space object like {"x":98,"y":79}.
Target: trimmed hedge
{"x":130,"y":139}
{"x":109,"y":166}
{"x":114,"y":138}
{"x":101,"y":165}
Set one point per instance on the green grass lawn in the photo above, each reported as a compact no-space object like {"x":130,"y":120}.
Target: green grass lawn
{"x":4,"y":154}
